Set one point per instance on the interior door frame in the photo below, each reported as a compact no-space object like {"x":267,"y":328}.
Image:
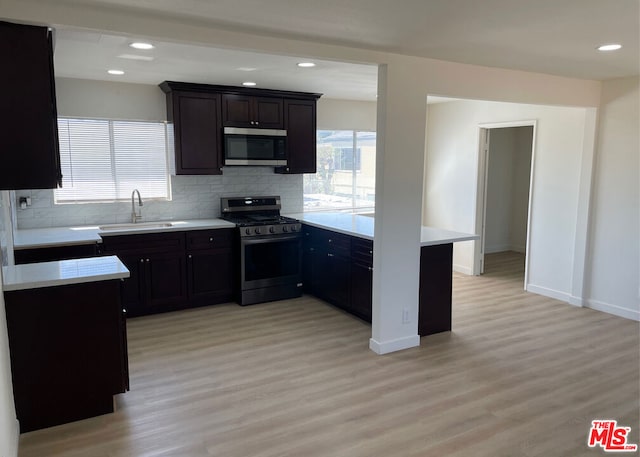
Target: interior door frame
{"x":484,"y":141}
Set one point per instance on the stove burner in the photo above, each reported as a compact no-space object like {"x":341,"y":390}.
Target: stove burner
{"x":258,"y":216}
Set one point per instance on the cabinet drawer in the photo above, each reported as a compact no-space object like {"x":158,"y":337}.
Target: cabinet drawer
{"x":362,"y":251}
{"x":148,"y":242}
{"x":326,"y":240}
{"x":210,"y":239}
{"x":338,"y":243}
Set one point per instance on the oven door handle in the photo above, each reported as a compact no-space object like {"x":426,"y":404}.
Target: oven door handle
{"x":270,"y":239}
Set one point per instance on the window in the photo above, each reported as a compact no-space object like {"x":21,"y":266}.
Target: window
{"x":344,"y":159}
{"x":346,"y":169}
{"x":104,"y":160}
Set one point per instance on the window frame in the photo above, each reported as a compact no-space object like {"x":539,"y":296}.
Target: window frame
{"x":57,"y":200}
{"x":356,"y":171}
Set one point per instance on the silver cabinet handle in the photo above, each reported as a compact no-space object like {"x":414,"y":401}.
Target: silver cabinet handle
{"x":141,"y":260}
{"x":190,"y":256}
{"x":370,"y":268}
{"x":211,"y":239}
{"x":329,"y":255}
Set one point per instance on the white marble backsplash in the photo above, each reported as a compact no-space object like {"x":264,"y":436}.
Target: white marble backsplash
{"x":193,"y":197}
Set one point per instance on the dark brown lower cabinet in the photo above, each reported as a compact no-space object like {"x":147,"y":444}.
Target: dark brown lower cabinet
{"x":436,"y":266}
{"x":175,"y":270}
{"x":68,"y":352}
{"x":49,"y":254}
{"x":165,"y":281}
{"x":345,"y":278}
{"x":361,"y":277}
{"x":210,"y":276}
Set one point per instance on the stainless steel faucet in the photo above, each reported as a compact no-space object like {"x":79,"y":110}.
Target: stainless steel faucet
{"x":135,"y":217}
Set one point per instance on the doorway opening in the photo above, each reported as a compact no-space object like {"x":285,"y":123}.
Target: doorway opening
{"x":505,"y":171}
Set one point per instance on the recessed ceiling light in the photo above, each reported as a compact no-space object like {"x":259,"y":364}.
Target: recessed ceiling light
{"x":246,"y":69}
{"x":609,"y":47}
{"x":115,"y":72}
{"x":248,"y":83}
{"x":140,"y":45}
{"x":306,"y":64}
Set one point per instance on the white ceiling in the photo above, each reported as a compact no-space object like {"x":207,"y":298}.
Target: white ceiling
{"x":88,"y":55}
{"x":547,"y":36}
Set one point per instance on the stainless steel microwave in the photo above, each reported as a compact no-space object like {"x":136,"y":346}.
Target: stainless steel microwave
{"x":254,"y":146}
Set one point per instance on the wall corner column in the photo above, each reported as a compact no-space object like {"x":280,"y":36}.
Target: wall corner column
{"x":402,"y":111}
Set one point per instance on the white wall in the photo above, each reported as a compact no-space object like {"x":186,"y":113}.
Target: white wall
{"x":8,"y":423}
{"x":613,"y":283}
{"x":346,"y":115}
{"x":110,"y":100}
{"x":451,"y":180}
{"x":508,"y":189}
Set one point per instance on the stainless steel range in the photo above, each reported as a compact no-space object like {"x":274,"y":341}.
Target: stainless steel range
{"x":270,"y":249}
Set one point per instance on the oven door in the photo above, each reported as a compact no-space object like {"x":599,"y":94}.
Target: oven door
{"x":269,"y":260}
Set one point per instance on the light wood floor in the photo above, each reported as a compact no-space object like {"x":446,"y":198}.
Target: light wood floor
{"x":520,"y":375}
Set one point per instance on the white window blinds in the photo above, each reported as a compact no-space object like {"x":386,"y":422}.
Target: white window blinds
{"x":104,"y":160}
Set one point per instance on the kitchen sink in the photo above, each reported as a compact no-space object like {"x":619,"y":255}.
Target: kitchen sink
{"x":137,"y":225}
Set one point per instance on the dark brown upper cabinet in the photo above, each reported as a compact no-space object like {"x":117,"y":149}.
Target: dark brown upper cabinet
{"x":200,"y":111}
{"x":300,"y":119}
{"x":252,"y":112}
{"x":197,"y":131}
{"x":28,"y":119}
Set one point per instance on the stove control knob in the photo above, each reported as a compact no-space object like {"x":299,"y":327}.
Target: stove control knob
{"x":285,"y":229}
{"x":294,"y":228}
{"x":272,"y":230}
{"x":247,"y":231}
{"x":257,"y":230}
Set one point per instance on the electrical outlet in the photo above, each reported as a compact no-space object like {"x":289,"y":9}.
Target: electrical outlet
{"x":405,"y":316}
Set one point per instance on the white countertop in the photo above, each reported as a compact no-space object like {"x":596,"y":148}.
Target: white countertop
{"x":63,"y":272}
{"x":363,"y":227}
{"x":61,"y":236}
{"x":349,"y":224}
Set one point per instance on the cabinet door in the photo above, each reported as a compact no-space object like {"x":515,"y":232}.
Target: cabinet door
{"x":252,"y":112}
{"x":28,"y":119}
{"x":132,"y":288}
{"x":338,"y":281}
{"x":436,"y":264}
{"x":210,"y":276}
{"x":197,"y":133}
{"x":300,"y":122}
{"x":268,"y":113}
{"x":165,"y":281}
{"x":361,"y":277}
{"x":361,"y":288}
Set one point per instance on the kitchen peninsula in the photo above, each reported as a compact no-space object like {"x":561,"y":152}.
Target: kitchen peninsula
{"x":338,"y":266}
{"x":67,"y":337}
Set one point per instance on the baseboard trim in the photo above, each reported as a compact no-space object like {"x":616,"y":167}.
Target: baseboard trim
{"x":551,"y":293}
{"x":497,"y":248}
{"x":385,"y":347}
{"x":576,"y":301}
{"x":15,"y":440}
{"x":463,"y":269}
{"x":613,"y":309}
{"x":586,"y":303}
{"x":505,"y":248}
